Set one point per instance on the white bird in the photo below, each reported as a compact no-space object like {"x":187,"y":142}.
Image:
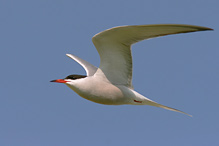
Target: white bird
{"x":111,"y":83}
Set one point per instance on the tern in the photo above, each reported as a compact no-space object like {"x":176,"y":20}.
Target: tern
{"x":111,"y":83}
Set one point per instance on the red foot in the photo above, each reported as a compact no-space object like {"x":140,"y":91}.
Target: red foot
{"x":138,"y":101}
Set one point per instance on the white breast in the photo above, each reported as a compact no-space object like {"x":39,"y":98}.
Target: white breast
{"x":99,"y":91}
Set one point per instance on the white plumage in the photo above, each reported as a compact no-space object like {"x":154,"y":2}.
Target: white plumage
{"x":111,"y":83}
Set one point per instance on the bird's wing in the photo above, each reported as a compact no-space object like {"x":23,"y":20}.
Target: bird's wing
{"x":114,"y":47}
{"x":89,"y":68}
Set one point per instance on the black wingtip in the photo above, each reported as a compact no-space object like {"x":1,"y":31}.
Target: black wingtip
{"x":209,"y":29}
{"x":206,"y":28}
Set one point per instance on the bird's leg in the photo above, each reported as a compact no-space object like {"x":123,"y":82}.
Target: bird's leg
{"x":138,"y":101}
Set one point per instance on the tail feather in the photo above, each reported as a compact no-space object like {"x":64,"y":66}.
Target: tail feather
{"x":152,"y":103}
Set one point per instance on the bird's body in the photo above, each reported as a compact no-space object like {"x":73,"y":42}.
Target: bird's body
{"x":111,"y":83}
{"x":105,"y":92}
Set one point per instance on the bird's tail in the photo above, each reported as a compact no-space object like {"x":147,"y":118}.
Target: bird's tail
{"x":152,"y":103}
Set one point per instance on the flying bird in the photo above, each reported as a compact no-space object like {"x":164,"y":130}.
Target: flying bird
{"x":111,"y":83}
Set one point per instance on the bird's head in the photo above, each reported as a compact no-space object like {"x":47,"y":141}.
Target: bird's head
{"x":69,"y":78}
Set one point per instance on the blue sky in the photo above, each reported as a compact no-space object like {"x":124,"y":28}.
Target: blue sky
{"x":180,"y":71}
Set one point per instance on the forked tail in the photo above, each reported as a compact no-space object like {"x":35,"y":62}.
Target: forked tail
{"x":152,"y":103}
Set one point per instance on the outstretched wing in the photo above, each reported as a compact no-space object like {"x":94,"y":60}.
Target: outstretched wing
{"x":114,"y":47}
{"x":89,"y":68}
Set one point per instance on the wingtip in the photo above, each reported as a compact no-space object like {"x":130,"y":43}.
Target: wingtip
{"x":207,"y":28}
{"x":68,"y":55}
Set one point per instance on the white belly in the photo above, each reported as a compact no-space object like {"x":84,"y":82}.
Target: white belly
{"x":101,"y":92}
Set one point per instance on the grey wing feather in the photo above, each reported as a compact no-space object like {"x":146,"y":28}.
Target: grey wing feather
{"x":114,"y":47}
{"x":89,"y":68}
